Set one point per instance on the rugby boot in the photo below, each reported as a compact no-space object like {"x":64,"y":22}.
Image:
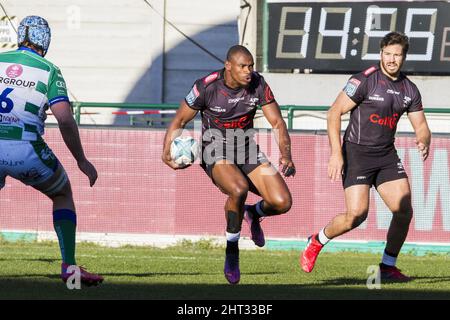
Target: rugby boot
{"x":255,"y":227}
{"x":392,"y":274}
{"x":309,"y":255}
{"x":86,"y":278}
{"x":231,"y":269}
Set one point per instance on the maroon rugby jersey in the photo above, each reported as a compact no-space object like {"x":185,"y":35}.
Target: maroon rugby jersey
{"x":380,"y":104}
{"x":224,"y":108}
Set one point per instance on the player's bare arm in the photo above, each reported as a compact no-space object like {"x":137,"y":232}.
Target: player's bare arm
{"x":423,"y":134}
{"x":183,"y":116}
{"x":69,"y":131}
{"x":341,"y":105}
{"x":273,"y":115}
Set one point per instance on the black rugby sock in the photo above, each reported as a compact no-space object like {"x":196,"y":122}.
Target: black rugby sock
{"x":232,"y":247}
{"x":254,"y":211}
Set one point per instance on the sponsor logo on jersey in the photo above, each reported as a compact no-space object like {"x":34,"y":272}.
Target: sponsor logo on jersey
{"x":235,"y":100}
{"x":17,"y":82}
{"x":8,"y":119}
{"x":388,"y":121}
{"x":253,"y":101}
{"x":352,"y":85}
{"x":390,"y":91}
{"x":406,"y":102}
{"x":376,"y":98}
{"x":218,"y":109}
{"x":211,"y":77}
{"x":241,"y":123}
{"x":61,"y":84}
{"x":14,"y":71}
{"x":192,"y":95}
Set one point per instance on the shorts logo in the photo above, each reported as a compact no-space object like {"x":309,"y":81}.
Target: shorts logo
{"x":361,"y":178}
{"x":11,"y":163}
{"x":352,"y":85}
{"x":47,"y":154}
{"x":13,"y":71}
{"x":32,"y":174}
{"x":261,"y":157}
{"x":192,"y":95}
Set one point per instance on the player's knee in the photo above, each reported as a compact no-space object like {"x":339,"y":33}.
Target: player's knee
{"x":404,"y":210}
{"x":63,"y":194}
{"x":355,"y":217}
{"x":239,"y":190}
{"x":404,"y":214}
{"x":281,"y":204}
{"x":63,"y":197}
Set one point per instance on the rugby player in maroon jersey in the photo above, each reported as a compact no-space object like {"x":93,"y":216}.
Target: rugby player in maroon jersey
{"x":376,"y":97}
{"x":228,"y":100}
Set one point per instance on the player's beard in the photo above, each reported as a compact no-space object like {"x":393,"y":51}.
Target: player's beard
{"x":392,"y":71}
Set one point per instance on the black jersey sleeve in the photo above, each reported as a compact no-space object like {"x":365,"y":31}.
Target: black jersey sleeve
{"x":195,"y":99}
{"x":264,"y":92}
{"x":356,"y":88}
{"x":415,"y":104}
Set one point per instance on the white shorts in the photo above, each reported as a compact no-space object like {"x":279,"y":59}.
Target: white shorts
{"x":31,"y":162}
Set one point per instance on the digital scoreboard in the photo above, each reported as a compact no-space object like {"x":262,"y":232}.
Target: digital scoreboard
{"x":344,"y":37}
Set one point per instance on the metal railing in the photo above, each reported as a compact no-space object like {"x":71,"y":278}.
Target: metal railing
{"x":143,"y":106}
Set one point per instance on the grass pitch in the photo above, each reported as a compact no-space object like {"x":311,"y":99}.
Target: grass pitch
{"x":195,"y":271}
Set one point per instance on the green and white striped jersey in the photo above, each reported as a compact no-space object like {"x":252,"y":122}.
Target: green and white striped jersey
{"x":29,"y":85}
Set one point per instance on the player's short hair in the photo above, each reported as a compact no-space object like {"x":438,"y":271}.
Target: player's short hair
{"x":237,"y":49}
{"x":395,"y":38}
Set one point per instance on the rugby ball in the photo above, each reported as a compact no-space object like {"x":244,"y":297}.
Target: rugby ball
{"x":184,"y":150}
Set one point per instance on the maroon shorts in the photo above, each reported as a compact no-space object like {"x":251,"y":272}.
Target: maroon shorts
{"x":370,"y":165}
{"x":247,"y":159}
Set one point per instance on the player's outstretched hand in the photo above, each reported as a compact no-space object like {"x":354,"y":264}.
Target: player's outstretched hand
{"x":167,"y":159}
{"x":423,"y":149}
{"x":89,"y":170}
{"x":287,"y":167}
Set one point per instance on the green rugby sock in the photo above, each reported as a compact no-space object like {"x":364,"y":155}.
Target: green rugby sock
{"x":65,"y":223}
